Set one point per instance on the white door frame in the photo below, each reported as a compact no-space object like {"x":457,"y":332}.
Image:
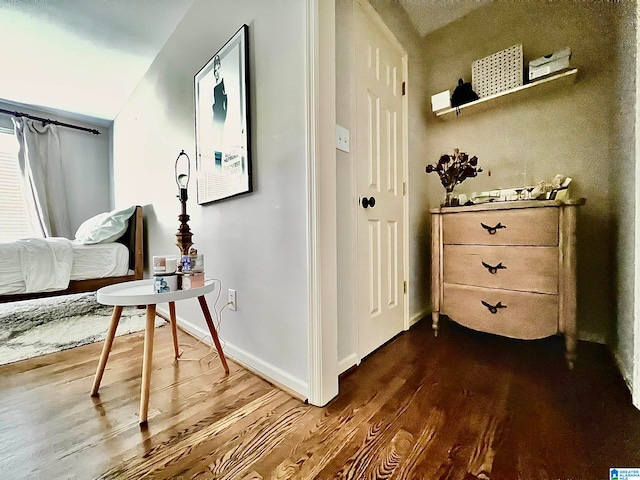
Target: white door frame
{"x":321,"y":201}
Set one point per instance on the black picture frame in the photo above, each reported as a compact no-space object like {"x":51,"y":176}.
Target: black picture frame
{"x":222,"y":123}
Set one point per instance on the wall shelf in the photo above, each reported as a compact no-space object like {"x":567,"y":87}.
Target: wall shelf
{"x":520,"y":93}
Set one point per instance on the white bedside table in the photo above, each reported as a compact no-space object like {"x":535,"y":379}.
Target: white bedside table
{"x":141,"y":292}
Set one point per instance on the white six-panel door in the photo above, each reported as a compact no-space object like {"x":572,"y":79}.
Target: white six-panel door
{"x":380,"y":176}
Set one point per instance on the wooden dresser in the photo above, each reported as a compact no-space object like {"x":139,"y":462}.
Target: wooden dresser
{"x":507,"y":268}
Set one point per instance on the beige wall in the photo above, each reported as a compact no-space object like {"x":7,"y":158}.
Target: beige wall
{"x":623,"y":188}
{"x":584,"y":131}
{"x":570,"y":131}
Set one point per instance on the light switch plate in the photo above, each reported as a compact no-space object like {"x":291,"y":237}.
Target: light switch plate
{"x":342,"y":138}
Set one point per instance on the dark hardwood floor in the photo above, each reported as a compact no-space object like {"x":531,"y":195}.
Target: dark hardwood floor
{"x":462,"y":406}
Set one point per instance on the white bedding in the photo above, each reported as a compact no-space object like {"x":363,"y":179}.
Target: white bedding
{"x":40,"y":265}
{"x":99,"y":260}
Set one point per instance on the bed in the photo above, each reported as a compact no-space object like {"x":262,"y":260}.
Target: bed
{"x":90,"y":265}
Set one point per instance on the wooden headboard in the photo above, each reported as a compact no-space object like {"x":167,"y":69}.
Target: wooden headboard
{"x":132,"y":239}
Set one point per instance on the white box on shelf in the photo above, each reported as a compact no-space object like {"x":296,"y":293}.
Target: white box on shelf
{"x":441,"y":101}
{"x":549,"y":63}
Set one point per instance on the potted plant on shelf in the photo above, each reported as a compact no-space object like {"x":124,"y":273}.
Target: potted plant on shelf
{"x":454,"y":169}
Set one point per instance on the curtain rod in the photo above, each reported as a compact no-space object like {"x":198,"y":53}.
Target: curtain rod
{"x":48,"y":120}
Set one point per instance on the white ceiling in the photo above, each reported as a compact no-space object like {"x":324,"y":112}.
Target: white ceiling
{"x":81,"y":56}
{"x":85,"y":57}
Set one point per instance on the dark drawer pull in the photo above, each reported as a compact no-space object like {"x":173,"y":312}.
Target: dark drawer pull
{"x":494,"y":270}
{"x":493,"y":230}
{"x":493,"y":308}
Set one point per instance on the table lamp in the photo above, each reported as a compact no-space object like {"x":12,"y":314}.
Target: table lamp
{"x":183,"y":174}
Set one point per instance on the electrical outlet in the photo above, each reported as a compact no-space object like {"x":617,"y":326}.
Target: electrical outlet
{"x":232,"y":300}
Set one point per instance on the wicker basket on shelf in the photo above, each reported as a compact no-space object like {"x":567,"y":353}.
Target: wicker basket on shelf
{"x":496,"y":73}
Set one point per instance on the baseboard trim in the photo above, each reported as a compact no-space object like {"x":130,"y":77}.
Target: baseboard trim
{"x":626,"y":376}
{"x":416,"y":318}
{"x":352,"y":359}
{"x":591,"y":337}
{"x":347,"y":362}
{"x":270,"y":373}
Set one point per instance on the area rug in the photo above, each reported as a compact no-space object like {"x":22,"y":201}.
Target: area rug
{"x":36,"y":327}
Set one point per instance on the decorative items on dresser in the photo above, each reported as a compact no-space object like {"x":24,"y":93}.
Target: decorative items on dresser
{"x":507,"y":268}
{"x":453,"y":170}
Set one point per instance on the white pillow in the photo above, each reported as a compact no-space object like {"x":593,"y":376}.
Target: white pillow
{"x":105,"y":227}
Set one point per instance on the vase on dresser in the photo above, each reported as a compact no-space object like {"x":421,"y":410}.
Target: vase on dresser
{"x":449,"y":198}
{"x":453,"y":170}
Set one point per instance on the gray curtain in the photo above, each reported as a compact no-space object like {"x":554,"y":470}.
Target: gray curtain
{"x":40,"y":162}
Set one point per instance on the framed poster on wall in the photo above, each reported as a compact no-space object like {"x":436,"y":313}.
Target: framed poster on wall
{"x":223,"y":157}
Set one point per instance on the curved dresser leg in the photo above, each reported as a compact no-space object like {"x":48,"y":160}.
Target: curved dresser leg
{"x":106,"y":349}
{"x":571,"y":343}
{"x":435,"y":320}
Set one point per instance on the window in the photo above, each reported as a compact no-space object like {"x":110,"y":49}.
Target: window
{"x":15,"y":220}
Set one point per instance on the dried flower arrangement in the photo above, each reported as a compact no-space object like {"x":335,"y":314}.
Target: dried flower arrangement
{"x":454,"y":169}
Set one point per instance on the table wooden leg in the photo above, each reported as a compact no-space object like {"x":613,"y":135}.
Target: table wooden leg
{"x":212,"y":330}
{"x":146,"y":363}
{"x":174,"y":327}
{"x":106,"y":349}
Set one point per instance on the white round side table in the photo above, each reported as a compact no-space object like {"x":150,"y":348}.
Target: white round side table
{"x":141,"y":292}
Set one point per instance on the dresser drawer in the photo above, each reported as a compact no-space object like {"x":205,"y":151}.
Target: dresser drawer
{"x":535,"y":226}
{"x":529,"y":269}
{"x":526,"y":316}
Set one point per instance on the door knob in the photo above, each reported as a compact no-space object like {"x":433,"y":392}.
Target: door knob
{"x":368,"y":202}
